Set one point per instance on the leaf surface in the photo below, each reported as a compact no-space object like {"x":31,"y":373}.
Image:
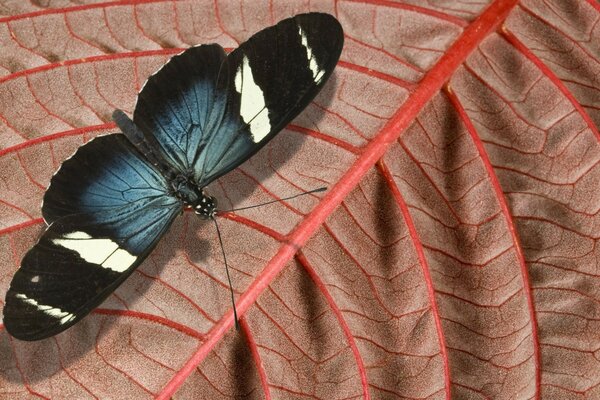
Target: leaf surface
{"x":454,"y":254}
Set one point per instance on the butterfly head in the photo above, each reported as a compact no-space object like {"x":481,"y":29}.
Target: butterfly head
{"x":205,"y":206}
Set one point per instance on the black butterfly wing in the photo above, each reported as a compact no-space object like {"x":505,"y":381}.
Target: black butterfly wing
{"x":269,"y":80}
{"x":107,"y":209}
{"x":210,"y":112}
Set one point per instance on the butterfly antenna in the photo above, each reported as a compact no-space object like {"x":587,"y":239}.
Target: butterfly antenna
{"x":235,"y":316}
{"x":321,"y":189}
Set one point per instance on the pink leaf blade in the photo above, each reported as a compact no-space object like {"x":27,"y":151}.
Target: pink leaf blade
{"x":432,"y":82}
{"x":462,"y":265}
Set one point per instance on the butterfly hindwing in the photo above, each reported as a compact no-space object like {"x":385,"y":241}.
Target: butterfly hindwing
{"x":120,"y":210}
{"x":104,"y":174}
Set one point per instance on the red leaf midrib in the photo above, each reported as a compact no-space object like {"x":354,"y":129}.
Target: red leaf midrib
{"x":433,"y":81}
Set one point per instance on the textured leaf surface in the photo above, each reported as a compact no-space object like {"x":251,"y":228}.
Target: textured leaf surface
{"x":455,"y":254}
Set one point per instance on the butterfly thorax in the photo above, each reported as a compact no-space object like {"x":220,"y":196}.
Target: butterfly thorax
{"x":194,"y":197}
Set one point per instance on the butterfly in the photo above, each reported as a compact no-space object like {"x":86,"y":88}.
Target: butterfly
{"x":198,"y":117}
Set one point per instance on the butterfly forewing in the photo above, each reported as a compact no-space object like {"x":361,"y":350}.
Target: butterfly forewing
{"x":269,"y":80}
{"x":120,"y":209}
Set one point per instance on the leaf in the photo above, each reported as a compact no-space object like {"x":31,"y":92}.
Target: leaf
{"x":454,"y":255}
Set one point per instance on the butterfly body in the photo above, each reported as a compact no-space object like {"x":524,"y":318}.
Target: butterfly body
{"x":192,"y":196}
{"x":200,"y":116}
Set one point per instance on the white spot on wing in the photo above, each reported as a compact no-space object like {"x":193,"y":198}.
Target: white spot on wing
{"x":312,"y":63}
{"x":119,"y":261}
{"x":103,"y":252}
{"x":77,"y":235}
{"x":49,"y":310}
{"x":252,"y":103}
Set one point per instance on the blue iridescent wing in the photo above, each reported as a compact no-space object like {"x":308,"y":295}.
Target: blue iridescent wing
{"x":179,"y":107}
{"x":107,"y":209}
{"x":209,"y":112}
